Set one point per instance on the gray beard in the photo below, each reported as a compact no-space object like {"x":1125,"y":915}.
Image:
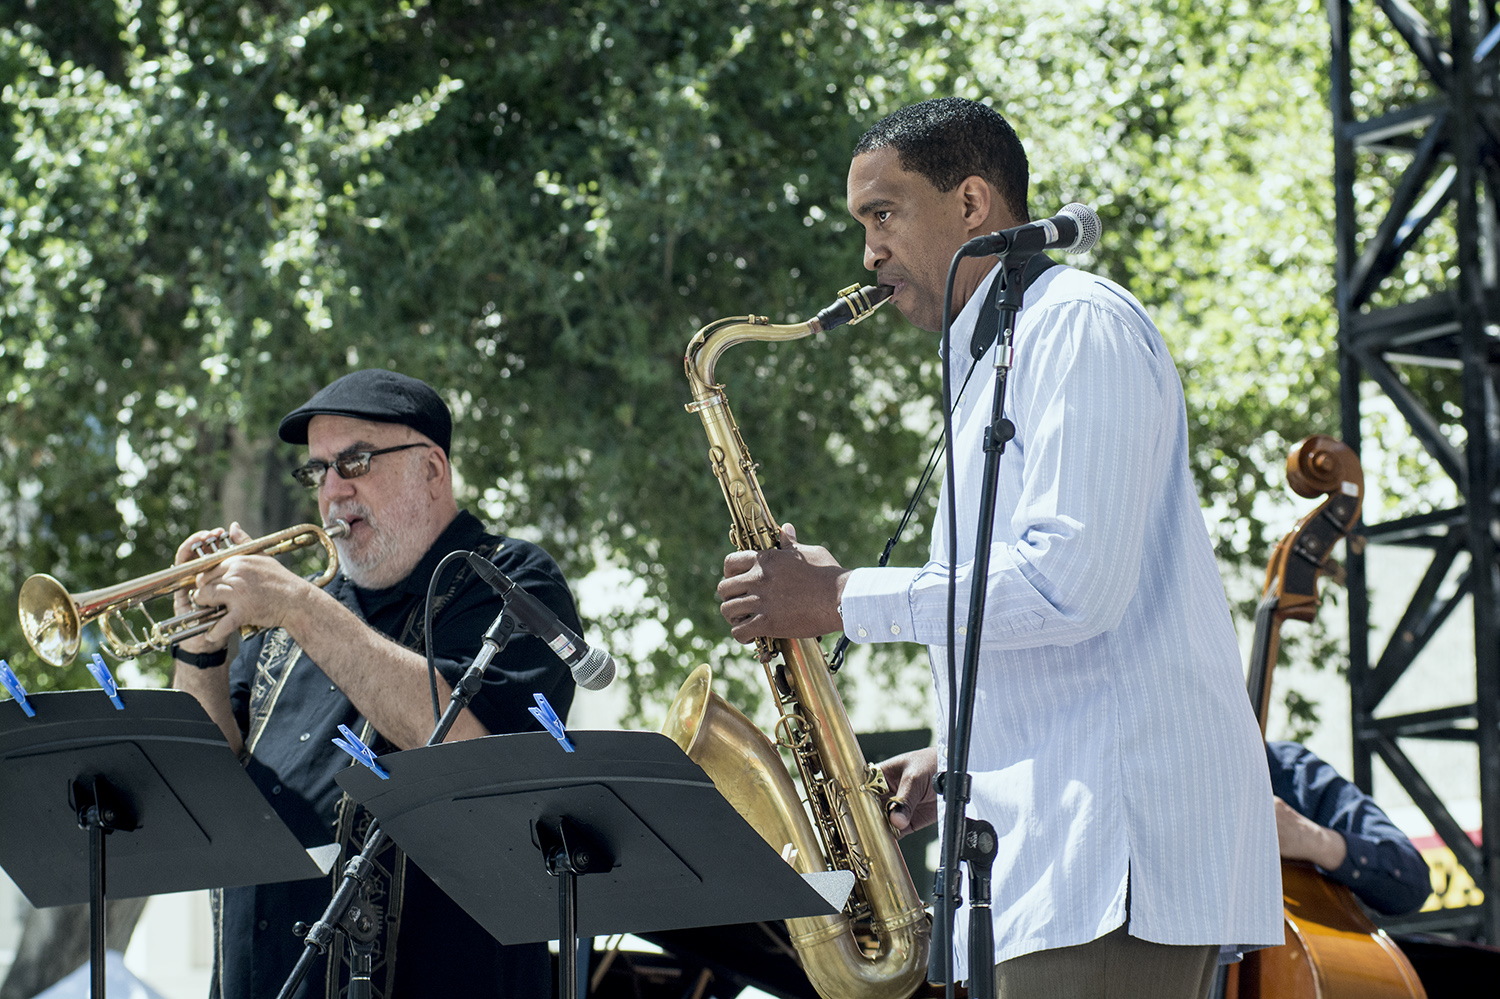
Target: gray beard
{"x":374,"y":571}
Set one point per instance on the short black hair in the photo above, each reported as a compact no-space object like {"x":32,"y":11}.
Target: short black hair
{"x":950,"y":138}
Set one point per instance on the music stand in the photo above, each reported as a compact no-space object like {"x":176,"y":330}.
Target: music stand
{"x":624,"y":835}
{"x":158,"y":779}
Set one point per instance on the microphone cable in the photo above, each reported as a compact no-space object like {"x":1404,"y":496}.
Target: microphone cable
{"x":427,"y":615}
{"x":836,"y":661}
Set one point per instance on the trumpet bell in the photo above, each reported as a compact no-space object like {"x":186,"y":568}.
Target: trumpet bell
{"x":49,"y":619}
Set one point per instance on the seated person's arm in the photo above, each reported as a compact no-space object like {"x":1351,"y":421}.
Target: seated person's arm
{"x":1371,"y":855}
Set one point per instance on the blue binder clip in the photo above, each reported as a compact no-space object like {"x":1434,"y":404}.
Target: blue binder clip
{"x":543,"y":713}
{"x":12,"y":684}
{"x":352,"y":745}
{"x":101,"y":674}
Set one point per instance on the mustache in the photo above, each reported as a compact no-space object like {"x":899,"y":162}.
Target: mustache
{"x":350,"y":511}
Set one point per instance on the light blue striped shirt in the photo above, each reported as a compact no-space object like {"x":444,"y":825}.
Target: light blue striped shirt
{"x":1112,"y":731}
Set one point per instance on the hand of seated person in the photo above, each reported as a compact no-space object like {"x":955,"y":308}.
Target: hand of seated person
{"x":1301,"y":838}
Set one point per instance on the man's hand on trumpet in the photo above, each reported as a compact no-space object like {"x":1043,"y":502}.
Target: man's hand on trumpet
{"x":185,"y":600}
{"x":201,"y":658}
{"x":254,"y":590}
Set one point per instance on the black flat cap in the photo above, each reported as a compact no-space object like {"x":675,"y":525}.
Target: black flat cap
{"x":378,"y":395}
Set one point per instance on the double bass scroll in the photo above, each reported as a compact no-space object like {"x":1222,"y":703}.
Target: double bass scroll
{"x":1316,"y":466}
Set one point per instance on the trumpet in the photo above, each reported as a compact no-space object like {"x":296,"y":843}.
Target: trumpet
{"x":52,"y":619}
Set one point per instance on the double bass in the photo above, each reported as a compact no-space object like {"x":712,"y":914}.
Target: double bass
{"x":1332,"y":949}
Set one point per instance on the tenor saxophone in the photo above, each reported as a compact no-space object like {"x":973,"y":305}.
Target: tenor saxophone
{"x":877,"y":947}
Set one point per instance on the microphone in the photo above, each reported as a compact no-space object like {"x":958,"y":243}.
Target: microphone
{"x":593,"y":669}
{"x":1075,"y":229}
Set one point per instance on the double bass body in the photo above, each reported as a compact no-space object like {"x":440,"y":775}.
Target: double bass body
{"x":1332,"y":949}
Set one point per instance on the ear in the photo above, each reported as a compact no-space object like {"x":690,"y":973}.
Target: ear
{"x":436,"y":466}
{"x":977,"y":198}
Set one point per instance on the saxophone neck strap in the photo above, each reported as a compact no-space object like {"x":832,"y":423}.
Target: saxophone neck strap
{"x":987,"y":326}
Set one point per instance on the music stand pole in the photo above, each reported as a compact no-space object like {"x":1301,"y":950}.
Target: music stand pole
{"x":567,"y":929}
{"x":567,"y":854}
{"x":99,"y":821}
{"x":96,"y":905}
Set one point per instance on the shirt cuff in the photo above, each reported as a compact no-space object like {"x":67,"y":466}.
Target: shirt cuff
{"x":1359,"y":862}
{"x":876,"y":605}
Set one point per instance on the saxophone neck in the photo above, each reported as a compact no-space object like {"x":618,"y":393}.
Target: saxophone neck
{"x":854,"y":305}
{"x":710,"y":343}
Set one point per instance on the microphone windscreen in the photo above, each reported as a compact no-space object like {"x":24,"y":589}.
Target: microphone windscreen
{"x":596,"y":671}
{"x":1089,"y":227}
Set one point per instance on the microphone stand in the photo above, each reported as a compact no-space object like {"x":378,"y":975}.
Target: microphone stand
{"x":973,"y":841}
{"x":349,"y":910}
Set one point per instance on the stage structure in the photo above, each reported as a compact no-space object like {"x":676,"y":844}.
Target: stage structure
{"x":1431,"y":159}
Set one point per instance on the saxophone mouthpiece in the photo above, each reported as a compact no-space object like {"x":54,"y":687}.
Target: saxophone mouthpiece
{"x":854,"y":305}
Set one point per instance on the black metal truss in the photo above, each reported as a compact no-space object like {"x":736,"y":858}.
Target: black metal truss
{"x":1452,"y":146}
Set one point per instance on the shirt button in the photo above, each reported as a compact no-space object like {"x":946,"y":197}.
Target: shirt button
{"x":963,"y":629}
{"x":895,"y":629}
{"x":331,"y":687}
{"x":863,"y":633}
{"x":304,"y":737}
{"x":276,"y":789}
{"x":262,"y":924}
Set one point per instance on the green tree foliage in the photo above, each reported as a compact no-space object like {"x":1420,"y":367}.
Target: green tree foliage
{"x":212,"y":207}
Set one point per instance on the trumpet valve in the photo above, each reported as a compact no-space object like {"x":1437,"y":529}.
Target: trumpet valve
{"x":215,"y":542}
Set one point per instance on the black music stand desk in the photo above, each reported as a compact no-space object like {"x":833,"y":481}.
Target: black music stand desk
{"x":157,"y":780}
{"x":483,"y":819}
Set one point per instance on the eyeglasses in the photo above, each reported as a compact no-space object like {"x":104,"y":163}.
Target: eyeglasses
{"x":350,"y":465}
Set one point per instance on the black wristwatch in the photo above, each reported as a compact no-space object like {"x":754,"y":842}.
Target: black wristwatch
{"x":207,"y":660}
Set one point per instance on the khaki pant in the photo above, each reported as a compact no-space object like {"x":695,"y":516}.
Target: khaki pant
{"x":1116,"y":966}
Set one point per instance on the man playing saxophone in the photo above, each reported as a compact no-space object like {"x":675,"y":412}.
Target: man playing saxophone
{"x":353,"y":653}
{"x":1114,"y":749}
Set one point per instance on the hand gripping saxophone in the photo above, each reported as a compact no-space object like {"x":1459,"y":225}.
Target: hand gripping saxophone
{"x":877,"y":947}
